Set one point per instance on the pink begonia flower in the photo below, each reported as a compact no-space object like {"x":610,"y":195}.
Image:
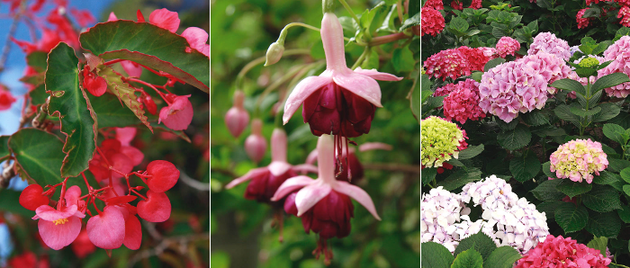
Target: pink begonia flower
{"x":562,"y":252}
{"x":178,"y":114}
{"x":83,"y":17}
{"x":355,"y":172}
{"x":197,"y":39}
{"x":266,"y":180}
{"x":6,"y":99}
{"x":60,"y":227}
{"x":338,"y":101}
{"x":107,"y":229}
{"x":255,"y":144}
{"x":236,"y":118}
{"x":165,"y":19}
{"x":507,"y":46}
{"x":323,"y":204}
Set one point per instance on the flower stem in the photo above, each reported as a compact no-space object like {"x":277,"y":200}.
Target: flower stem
{"x":361,"y":58}
{"x":347,"y":7}
{"x":261,"y":60}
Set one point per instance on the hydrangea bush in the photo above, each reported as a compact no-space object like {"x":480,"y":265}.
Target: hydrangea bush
{"x":547,"y":115}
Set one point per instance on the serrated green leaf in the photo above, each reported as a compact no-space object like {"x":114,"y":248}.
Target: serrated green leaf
{"x":536,"y":118}
{"x":603,"y":224}
{"x":549,"y":208}
{"x":428,"y":174}
{"x":606,"y":178}
{"x":546,"y":191}
{"x":470,"y":152}
{"x":570,"y":217}
{"x":583,"y":113}
{"x":609,"y":111}
{"x":435,"y":255}
{"x":602,"y":199}
{"x":468,"y":259}
{"x":617,"y":165}
{"x":525,"y":168}
{"x":515,"y":139}
{"x":599,"y":243}
{"x":111,"y":113}
{"x":614,"y":132}
{"x":492,"y":63}
{"x":502,"y":257}
{"x":570,"y":85}
{"x":481,"y":242}
{"x":410,"y":22}
{"x":626,"y":189}
{"x":150,"y":46}
{"x":459,"y":178}
{"x":624,"y":213}
{"x":610,"y":80}
{"x":402,"y":59}
{"x":564,"y":112}
{"x":39,"y":154}
{"x":70,"y":103}
{"x":571,"y":188}
{"x":625,"y":174}
{"x":459,"y":24}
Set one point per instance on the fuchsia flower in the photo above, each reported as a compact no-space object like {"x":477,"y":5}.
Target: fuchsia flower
{"x":432,"y":21}
{"x":562,"y":252}
{"x":507,"y":46}
{"x":236,"y":118}
{"x":323,"y":203}
{"x":255,"y":144}
{"x":266,"y":180}
{"x":178,"y":114}
{"x":340,"y":101}
{"x":59,"y":227}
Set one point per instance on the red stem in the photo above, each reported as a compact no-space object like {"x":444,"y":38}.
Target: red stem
{"x":63,"y":193}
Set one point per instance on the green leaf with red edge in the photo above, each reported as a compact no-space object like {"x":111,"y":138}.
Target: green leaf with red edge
{"x":70,"y":103}
{"x":38,"y":155}
{"x":125,"y":92}
{"x":150,"y":46}
{"x":4,"y":148}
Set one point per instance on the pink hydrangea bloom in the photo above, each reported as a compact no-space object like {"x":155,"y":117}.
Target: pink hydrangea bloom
{"x":582,"y":22}
{"x":456,"y":4}
{"x":476,"y":4}
{"x":507,"y":46}
{"x":445,"y":90}
{"x":447,"y":63}
{"x":477,"y":57}
{"x":619,"y":53}
{"x":578,"y":159}
{"x":432,"y":21}
{"x":551,"y":67}
{"x":562,"y":252}
{"x":624,"y":12}
{"x":435,"y":4}
{"x":549,"y":43}
{"x":463,"y":103}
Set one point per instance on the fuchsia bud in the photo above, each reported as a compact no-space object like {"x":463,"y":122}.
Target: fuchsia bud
{"x":255,"y":144}
{"x":236,"y":118}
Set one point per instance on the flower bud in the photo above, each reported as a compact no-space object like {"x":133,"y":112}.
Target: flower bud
{"x":255,"y":144}
{"x":236,"y":118}
{"x":274,"y":53}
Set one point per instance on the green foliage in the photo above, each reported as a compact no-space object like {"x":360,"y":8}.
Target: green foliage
{"x":38,"y":154}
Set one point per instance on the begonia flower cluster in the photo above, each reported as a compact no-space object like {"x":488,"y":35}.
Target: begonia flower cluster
{"x":578,"y":159}
{"x":562,"y":253}
{"x":441,"y":141}
{"x":462,"y":103}
{"x":619,"y":54}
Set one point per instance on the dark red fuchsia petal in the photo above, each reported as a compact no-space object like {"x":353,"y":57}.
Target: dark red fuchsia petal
{"x":157,"y":207}
{"x":31,"y":197}
{"x":165,"y":176}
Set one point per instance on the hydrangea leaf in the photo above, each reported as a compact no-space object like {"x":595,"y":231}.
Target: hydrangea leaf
{"x":547,"y":191}
{"x":599,"y":243}
{"x":150,"y":46}
{"x":125,"y":92}
{"x":602,"y":199}
{"x":468,"y":259}
{"x":606,"y":178}
{"x":614,"y":132}
{"x":70,"y":103}
{"x":604,"y":224}
{"x":459,"y":178}
{"x":571,"y":188}
{"x":502,"y":257}
{"x":471,"y":152}
{"x":38,"y":154}
{"x":481,"y":242}
{"x":610,"y":80}
{"x":525,"y":168}
{"x":435,"y":255}
{"x":570,"y":217}
{"x":515,"y":139}
{"x":609,"y":111}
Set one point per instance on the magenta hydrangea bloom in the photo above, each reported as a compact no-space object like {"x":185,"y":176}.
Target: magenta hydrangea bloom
{"x":624,"y":14}
{"x":435,"y":4}
{"x":562,"y":252}
{"x":578,"y":159}
{"x":582,"y":22}
{"x":447,"y":63}
{"x":463,"y":103}
{"x":477,"y":57}
{"x":445,"y":90}
{"x":507,"y":46}
{"x":432,"y":21}
{"x":549,"y":43}
{"x":619,"y":53}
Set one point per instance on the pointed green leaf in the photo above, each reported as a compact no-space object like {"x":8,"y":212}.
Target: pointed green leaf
{"x":599,"y":243}
{"x":603,"y":224}
{"x":502,"y":257}
{"x":428,"y":174}
{"x":602,"y":198}
{"x":570,"y":217}
{"x":570,"y":85}
{"x":410,"y":22}
{"x":111,"y":113}
{"x":525,"y":168}
{"x":459,"y":178}
{"x":571,"y":188}
{"x":4,"y":147}
{"x":38,"y":154}
{"x":150,"y":46}
{"x":610,"y":80}
{"x":546,"y":168}
{"x":624,"y":213}
{"x":492,"y":63}
{"x":609,"y":111}
{"x":470,"y":152}
{"x":563,"y":112}
{"x":69,"y":102}
{"x":515,"y":139}
{"x":468,"y":259}
{"x":546,"y":191}
{"x":614,"y":132}
{"x":481,"y":242}
{"x":435,"y":255}
{"x":606,"y":178}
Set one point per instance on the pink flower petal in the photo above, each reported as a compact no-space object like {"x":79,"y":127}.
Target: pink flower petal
{"x":72,"y":195}
{"x":178,"y":115}
{"x":125,"y":135}
{"x":312,"y":157}
{"x":373,"y":73}
{"x":57,"y":236}
{"x":278,"y":168}
{"x":332,"y":39}
{"x":303,"y":90}
{"x":164,"y":18}
{"x":112,"y":17}
{"x":361,"y":85}
{"x":374,"y":146}
{"x":310,"y":195}
{"x":107,"y":230}
{"x":278,"y":146}
{"x":305,"y":168}
{"x":291,"y":185}
{"x":357,"y":194}
{"x":136,"y":156}
{"x":48,"y":213}
{"x":133,"y":233}
{"x":131,"y":68}
{"x":197,"y":39}
{"x":248,"y":176}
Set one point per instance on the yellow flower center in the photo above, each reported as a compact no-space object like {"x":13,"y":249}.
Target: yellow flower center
{"x":60,"y":221}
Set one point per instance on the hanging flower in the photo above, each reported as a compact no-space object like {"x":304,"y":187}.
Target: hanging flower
{"x":562,"y":252}
{"x":578,"y":159}
{"x":441,"y":141}
{"x":340,"y":101}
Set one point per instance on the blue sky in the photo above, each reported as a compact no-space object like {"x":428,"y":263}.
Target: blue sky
{"x":17,"y":63}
